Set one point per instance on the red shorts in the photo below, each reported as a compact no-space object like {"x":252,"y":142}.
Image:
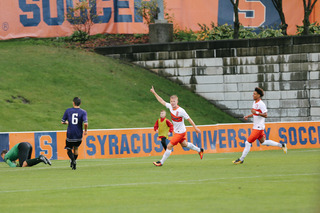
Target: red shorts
{"x":178,"y":138}
{"x":256,"y":134}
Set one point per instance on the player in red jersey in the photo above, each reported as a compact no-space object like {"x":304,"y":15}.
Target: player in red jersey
{"x":178,"y":115}
{"x":259,"y":114}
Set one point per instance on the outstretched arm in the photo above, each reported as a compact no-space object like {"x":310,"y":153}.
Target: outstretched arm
{"x":194,"y":125}
{"x":248,"y":116}
{"x":158,"y":97}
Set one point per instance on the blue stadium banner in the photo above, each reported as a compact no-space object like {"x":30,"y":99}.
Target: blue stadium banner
{"x":4,"y":143}
{"x":252,"y":13}
{"x":46,"y":144}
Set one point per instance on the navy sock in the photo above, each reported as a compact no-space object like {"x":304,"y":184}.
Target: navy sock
{"x":71,"y":155}
{"x":34,"y":161}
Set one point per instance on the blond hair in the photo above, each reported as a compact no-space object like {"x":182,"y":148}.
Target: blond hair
{"x":174,"y":97}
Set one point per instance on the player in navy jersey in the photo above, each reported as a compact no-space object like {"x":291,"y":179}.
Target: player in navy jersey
{"x":76,"y":118}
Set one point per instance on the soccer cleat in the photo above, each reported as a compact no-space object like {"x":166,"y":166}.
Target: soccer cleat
{"x":43,"y":159}
{"x":48,"y":161}
{"x":238,"y":161}
{"x":158,"y":163}
{"x":74,"y":165}
{"x":201,"y":153}
{"x":284,"y":148}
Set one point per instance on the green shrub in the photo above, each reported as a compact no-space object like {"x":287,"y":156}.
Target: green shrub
{"x":215,"y":33}
{"x":184,"y":35}
{"x":314,"y":28}
{"x":223,"y":32}
{"x":267,"y":32}
{"x":79,"y":36}
{"x":247,"y":33}
{"x":220,"y":32}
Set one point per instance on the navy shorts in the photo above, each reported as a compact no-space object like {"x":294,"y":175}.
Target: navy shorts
{"x":70,"y":145}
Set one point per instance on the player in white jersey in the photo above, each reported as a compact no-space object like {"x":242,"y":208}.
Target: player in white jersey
{"x":259,"y":114}
{"x":178,"y":115}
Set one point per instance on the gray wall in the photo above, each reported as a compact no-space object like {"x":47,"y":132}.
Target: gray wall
{"x":226,"y":72}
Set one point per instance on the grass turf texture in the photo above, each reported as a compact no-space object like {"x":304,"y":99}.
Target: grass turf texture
{"x":115,"y":95}
{"x":268,"y":181}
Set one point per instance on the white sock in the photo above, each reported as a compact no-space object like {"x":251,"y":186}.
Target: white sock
{"x":193,"y":147}
{"x":246,"y":150}
{"x":271,"y":143}
{"x":165,"y":155}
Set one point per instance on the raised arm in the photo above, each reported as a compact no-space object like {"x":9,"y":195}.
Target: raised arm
{"x":194,"y":125}
{"x":158,"y":97}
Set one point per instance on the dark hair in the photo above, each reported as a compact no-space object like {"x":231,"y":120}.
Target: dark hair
{"x":4,"y":151}
{"x":77,"y":101}
{"x":259,"y":91}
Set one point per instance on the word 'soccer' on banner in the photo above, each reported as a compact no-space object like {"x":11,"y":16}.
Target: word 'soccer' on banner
{"x":124,"y":143}
{"x":47,"y":18}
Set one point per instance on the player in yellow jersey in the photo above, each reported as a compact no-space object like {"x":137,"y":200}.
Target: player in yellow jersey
{"x":163,"y":126}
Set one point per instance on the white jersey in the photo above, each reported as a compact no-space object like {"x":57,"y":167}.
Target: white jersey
{"x":178,"y":115}
{"x":258,"y":121}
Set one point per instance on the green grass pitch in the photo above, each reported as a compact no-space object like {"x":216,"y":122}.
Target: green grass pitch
{"x":268,"y":181}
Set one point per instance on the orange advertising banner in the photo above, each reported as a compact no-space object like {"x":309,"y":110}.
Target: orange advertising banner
{"x":47,"y":18}
{"x":142,"y":142}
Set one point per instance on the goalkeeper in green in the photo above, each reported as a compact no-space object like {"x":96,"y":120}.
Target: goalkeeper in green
{"x":22,"y":151}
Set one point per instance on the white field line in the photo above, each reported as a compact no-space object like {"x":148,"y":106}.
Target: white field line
{"x":115,"y":161}
{"x":107,"y":163}
{"x":297,"y":150}
{"x":156,"y":183}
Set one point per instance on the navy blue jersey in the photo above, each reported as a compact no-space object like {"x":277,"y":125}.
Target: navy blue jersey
{"x":75,"y":117}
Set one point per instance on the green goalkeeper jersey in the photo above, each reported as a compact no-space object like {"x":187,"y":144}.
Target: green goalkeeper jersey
{"x":12,"y":155}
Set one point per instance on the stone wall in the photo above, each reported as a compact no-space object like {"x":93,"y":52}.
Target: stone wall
{"x":226,"y":72}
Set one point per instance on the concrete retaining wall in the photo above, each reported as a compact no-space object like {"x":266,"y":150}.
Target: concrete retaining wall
{"x":226,"y":72}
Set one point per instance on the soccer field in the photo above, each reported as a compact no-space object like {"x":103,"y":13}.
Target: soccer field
{"x":268,"y":181}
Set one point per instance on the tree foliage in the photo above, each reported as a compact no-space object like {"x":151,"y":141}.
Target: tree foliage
{"x":149,"y":10}
{"x":81,"y":19}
